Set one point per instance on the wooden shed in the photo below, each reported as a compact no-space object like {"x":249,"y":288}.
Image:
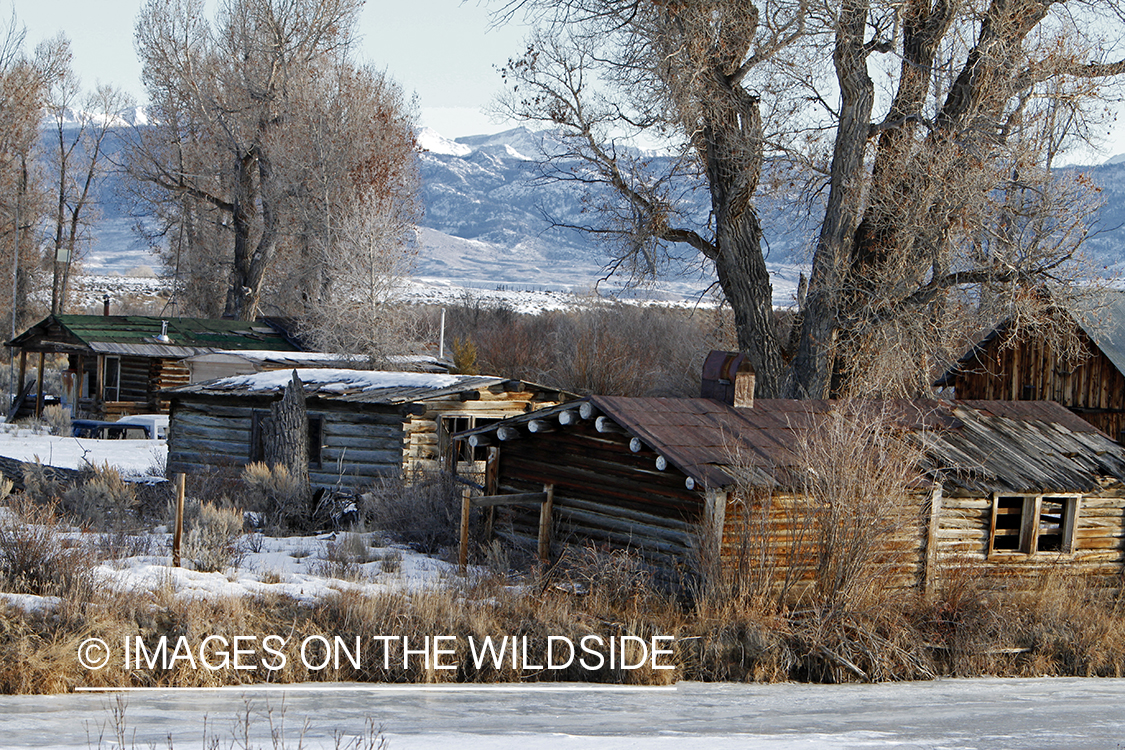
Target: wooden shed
{"x":1004,"y":487}
{"x":1092,"y":386}
{"x":363,"y":424}
{"x":117,"y":365}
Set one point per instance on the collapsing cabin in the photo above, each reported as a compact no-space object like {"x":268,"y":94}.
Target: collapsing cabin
{"x":1091,"y":384}
{"x":362,"y":424}
{"x":1004,"y":487}
{"x":118,"y":364}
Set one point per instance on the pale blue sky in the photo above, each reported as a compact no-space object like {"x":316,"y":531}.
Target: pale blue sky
{"x":443,"y":50}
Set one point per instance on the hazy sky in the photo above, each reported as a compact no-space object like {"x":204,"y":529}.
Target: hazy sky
{"x":443,"y":50}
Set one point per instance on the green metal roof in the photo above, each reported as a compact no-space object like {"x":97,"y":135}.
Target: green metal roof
{"x":141,"y":334}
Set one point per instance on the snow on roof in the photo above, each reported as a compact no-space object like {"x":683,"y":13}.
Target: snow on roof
{"x":330,"y":380}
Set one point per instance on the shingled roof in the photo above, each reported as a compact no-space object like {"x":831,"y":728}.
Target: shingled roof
{"x":140,"y":335}
{"x":977,"y":446}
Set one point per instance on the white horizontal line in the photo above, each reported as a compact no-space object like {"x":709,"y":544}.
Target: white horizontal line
{"x":365,"y":688}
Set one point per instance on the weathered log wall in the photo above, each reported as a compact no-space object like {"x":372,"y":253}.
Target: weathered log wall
{"x":604,"y":493}
{"x":428,"y":442}
{"x":357,"y":447}
{"x":964,"y":527}
{"x":773,"y":542}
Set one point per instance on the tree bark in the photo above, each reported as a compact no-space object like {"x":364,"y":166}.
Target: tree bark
{"x":286,"y":439}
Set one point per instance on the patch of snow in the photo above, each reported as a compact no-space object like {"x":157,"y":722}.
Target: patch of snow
{"x":30,"y":603}
{"x":130,"y":457}
{"x":432,"y":141}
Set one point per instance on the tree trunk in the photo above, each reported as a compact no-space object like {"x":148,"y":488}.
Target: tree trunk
{"x":812,"y":370}
{"x":286,"y":439}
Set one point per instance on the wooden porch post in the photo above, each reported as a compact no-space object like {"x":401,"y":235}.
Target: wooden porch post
{"x":23,"y":370}
{"x":39,"y":386}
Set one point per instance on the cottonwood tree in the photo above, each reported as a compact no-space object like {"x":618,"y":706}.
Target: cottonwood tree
{"x":75,"y":158}
{"x":23,"y":88}
{"x":935,"y":191}
{"x":243,"y":162}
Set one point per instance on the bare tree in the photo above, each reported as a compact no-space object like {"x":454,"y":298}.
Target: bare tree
{"x":23,"y":88}
{"x":229,"y":157}
{"x":74,"y":147}
{"x":935,"y":194}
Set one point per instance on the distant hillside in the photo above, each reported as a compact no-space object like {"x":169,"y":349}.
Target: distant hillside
{"x":485,"y":223}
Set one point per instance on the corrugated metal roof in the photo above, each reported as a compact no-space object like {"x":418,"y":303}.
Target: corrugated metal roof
{"x":129,"y":331}
{"x":978,"y":446}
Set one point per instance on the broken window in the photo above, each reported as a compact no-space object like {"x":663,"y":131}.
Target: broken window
{"x":1030,"y":524}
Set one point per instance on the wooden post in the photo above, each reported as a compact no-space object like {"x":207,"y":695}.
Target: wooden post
{"x":930,"y":583}
{"x":178,"y":532}
{"x":23,"y":370}
{"x":545,"y":524}
{"x":466,"y":507}
{"x":711,"y":543}
{"x":39,"y":385}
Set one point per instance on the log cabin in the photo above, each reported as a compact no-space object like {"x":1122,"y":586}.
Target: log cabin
{"x":363,"y":424}
{"x":700,"y":486}
{"x":1092,"y":385}
{"x":117,"y":365}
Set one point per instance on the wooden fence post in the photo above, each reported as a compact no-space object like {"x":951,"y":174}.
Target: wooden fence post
{"x":178,"y":533}
{"x":545,"y":524}
{"x":466,"y":506}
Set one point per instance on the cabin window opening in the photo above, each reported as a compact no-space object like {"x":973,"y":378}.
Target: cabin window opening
{"x":316,"y":437}
{"x":1030,"y":524}
{"x":111,"y":390}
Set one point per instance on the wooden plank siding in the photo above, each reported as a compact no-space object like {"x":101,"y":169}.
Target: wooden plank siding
{"x":1093,"y":388}
{"x":603,"y":494}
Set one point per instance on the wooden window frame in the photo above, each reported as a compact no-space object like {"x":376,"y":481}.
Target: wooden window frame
{"x":116,"y":381}
{"x":1031,"y":524}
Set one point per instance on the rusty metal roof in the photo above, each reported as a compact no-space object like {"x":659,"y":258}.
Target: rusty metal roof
{"x":977,"y":446}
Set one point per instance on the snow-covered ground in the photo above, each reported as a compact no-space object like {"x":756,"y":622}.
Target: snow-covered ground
{"x":980,"y":714}
{"x":134,"y":458}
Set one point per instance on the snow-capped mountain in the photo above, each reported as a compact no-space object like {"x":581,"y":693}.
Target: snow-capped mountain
{"x":486,"y":221}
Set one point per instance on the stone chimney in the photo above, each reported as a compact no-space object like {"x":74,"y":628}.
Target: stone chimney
{"x":728,"y":377}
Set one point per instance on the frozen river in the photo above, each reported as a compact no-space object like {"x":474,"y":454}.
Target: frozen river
{"x":983,"y":713}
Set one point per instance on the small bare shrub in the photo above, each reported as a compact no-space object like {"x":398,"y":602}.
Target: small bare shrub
{"x":425,"y":514}
{"x":215,"y":542}
{"x":344,"y":557}
{"x":57,"y":418}
{"x":36,"y":555}
{"x":278,"y":495}
{"x":101,"y":499}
